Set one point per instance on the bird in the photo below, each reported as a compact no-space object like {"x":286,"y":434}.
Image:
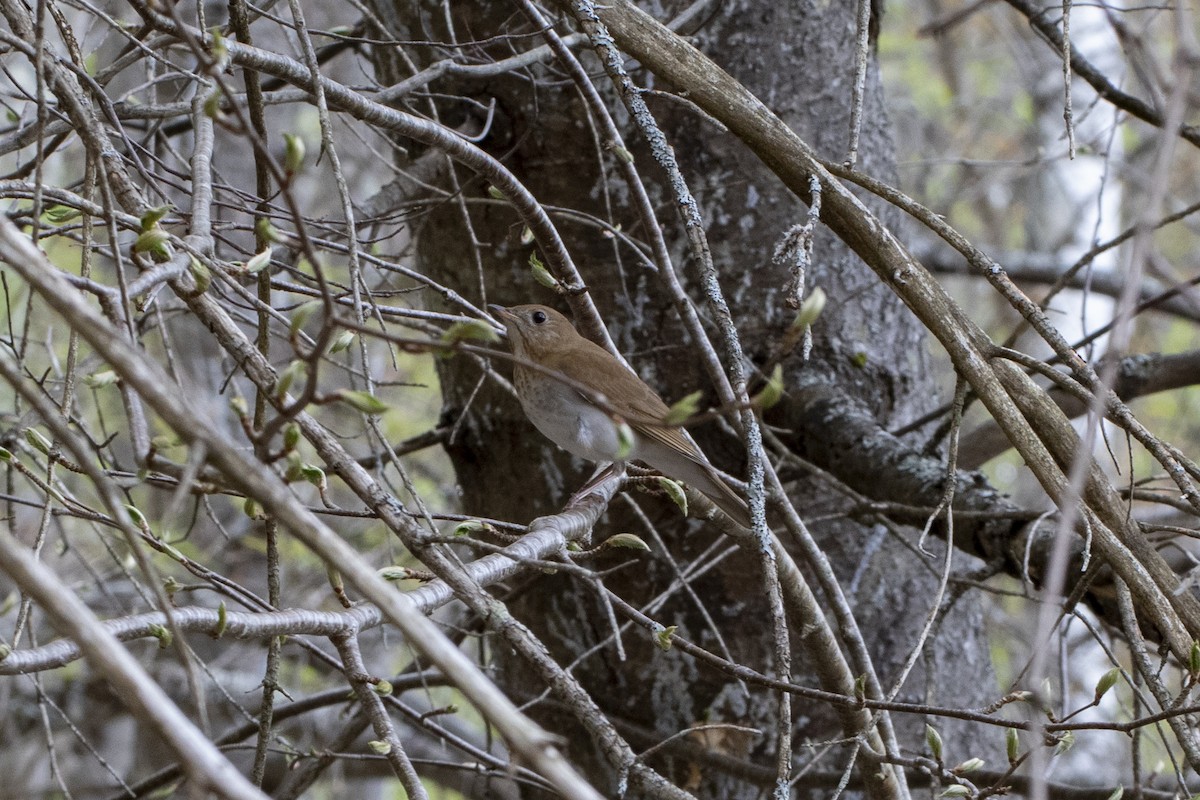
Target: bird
{"x":588,"y":424}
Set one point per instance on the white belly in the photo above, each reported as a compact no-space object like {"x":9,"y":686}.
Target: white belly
{"x":574,"y":425}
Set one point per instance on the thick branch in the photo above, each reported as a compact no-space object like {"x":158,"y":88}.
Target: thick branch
{"x":1125,"y":548}
{"x":1040,"y":22}
{"x":210,"y":770}
{"x":193,"y":423}
{"x":1136,"y":376}
{"x":1182,"y":301}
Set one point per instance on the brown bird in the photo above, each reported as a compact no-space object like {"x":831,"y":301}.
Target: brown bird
{"x":578,"y":424}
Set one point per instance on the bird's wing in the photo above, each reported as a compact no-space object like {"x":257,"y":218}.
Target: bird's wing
{"x":638,"y":404}
{"x":672,"y":438}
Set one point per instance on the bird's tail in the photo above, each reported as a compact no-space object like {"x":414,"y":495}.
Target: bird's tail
{"x":725,"y":498}
{"x":700,"y":475}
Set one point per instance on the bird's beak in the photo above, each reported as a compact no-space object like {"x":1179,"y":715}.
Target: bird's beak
{"x":503,"y":314}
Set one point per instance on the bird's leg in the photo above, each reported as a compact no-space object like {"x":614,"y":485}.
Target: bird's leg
{"x":603,"y":470}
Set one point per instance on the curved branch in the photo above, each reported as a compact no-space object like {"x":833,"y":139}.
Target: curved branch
{"x":206,"y":765}
{"x":1180,"y":300}
{"x":194,"y":424}
{"x":1049,"y":448}
{"x":1095,"y":78}
{"x":1136,"y":376}
{"x":341,"y":98}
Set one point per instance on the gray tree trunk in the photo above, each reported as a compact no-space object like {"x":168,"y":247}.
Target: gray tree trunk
{"x":799,"y":59}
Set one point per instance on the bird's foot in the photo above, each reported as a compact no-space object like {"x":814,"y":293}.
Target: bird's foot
{"x":599,"y":476}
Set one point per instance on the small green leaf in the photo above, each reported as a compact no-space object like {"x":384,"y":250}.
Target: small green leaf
{"x":674,"y":490}
{"x":625,"y":440}
{"x":662,"y":637}
{"x":259,"y":262}
{"x":291,"y":436}
{"x":341,"y":342}
{"x":293,"y":153}
{"x":526,"y":236}
{"x":1012,"y":744}
{"x":314,"y":475}
{"x":365,"y":402}
{"x":37,"y":441}
{"x":860,"y":688}
{"x":220,"y":48}
{"x":172,"y":551}
{"x":163,"y":635}
{"x":252,"y":509}
{"x":683,"y":409}
{"x":810,"y":309}
{"x":266,"y":231}
{"x":200,"y":274}
{"x":151,"y":218}
{"x":627,"y":540}
{"x":1194,"y":660}
{"x":212,"y":104}
{"x":98,"y":380}
{"x":59,"y":214}
{"x":471,"y":527}
{"x":302,"y":314}
{"x":957,"y":790}
{"x":933,"y":740}
{"x":382,"y":688}
{"x":137,"y":517}
{"x":968,"y":766}
{"x":1106,"y":682}
{"x":6,"y":454}
{"x":295,"y":467}
{"x":623,"y":154}
{"x":1117,"y":793}
{"x":393,"y":574}
{"x":495,"y":193}
{"x":1065,"y":742}
{"x":337,"y":584}
{"x":152,"y":241}
{"x":772,"y":393}
{"x":294,"y":371}
{"x":541,"y":274}
{"x":222,"y":620}
{"x":859,"y":359}
{"x":379,"y":747}
{"x":5,"y":651}
{"x":469,"y":330}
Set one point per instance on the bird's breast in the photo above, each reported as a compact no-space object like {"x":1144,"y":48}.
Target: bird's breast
{"x":566,"y":418}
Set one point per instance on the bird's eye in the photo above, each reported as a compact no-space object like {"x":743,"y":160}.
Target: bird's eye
{"x":538,"y":317}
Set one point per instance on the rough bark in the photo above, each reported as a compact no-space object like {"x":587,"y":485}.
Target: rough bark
{"x":869,"y":349}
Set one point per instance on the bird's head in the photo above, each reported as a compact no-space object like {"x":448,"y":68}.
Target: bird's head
{"x":535,"y":330}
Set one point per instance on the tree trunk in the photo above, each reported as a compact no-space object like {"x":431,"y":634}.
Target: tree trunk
{"x":869,"y":351}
